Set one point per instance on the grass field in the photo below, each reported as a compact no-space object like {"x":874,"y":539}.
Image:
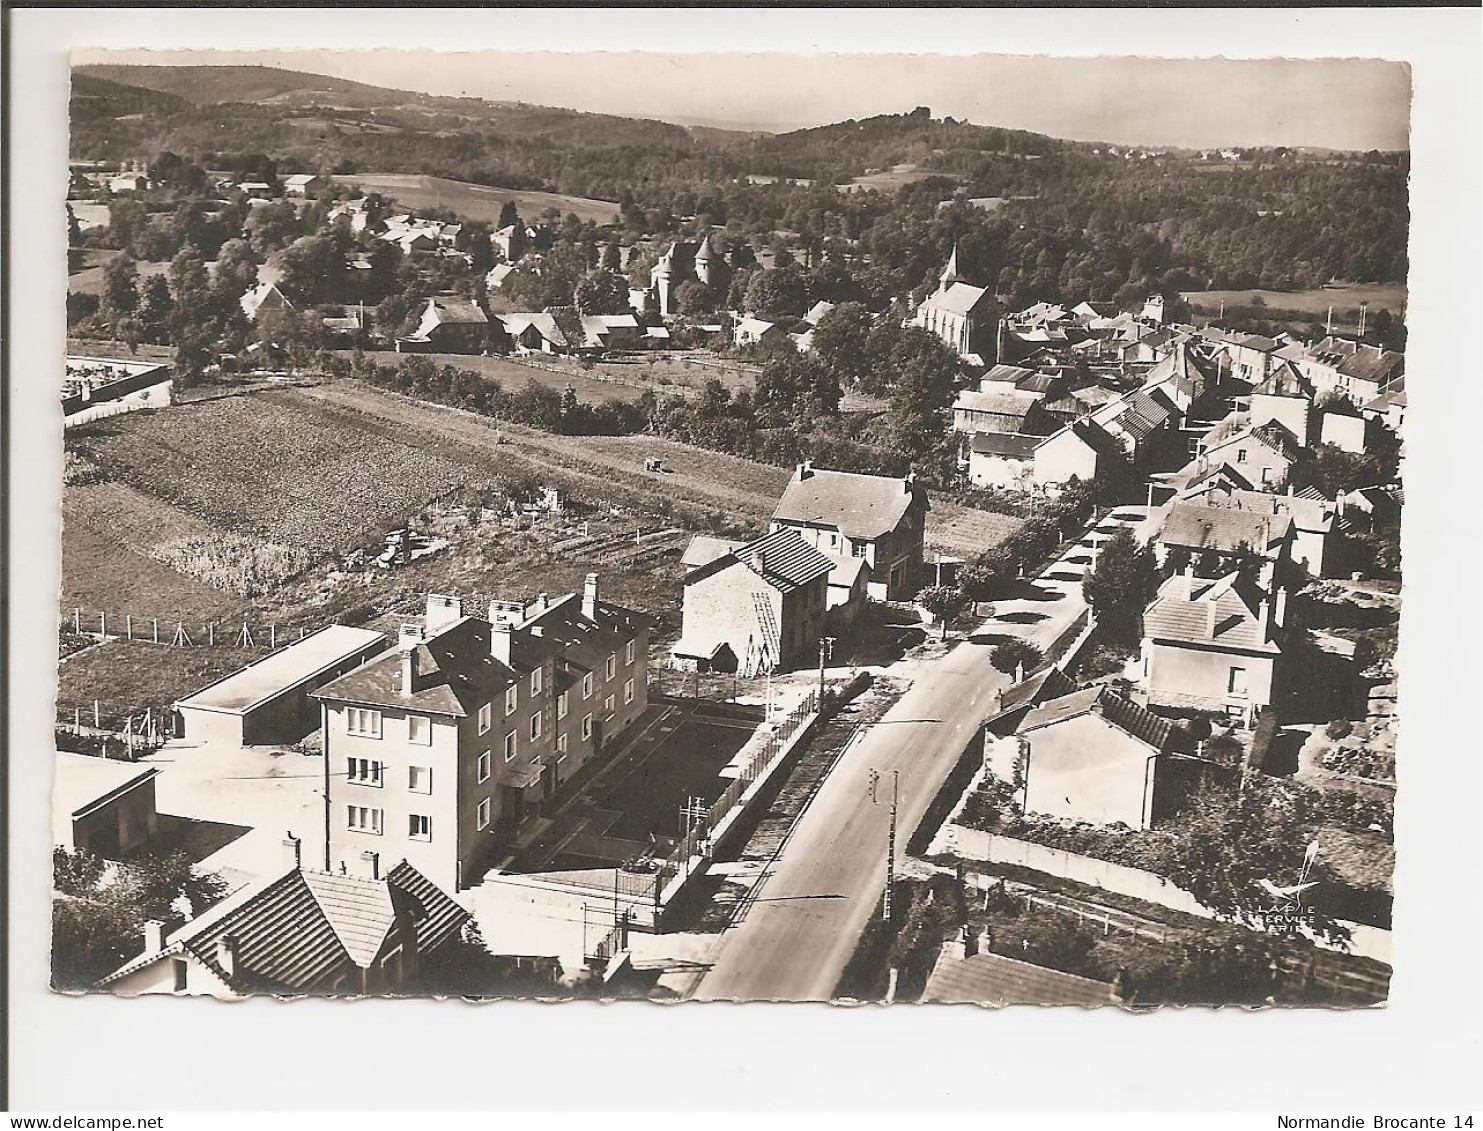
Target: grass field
{"x":681,"y":372}
{"x":965,"y":532}
{"x":478,"y":202}
{"x":1344,"y":299}
{"x":127,"y":677}
{"x":513,"y":376}
{"x":89,"y":280}
{"x":888,"y":180}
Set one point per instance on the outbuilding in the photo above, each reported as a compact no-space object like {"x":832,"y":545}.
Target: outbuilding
{"x":102,"y":805}
{"x":268,"y":702}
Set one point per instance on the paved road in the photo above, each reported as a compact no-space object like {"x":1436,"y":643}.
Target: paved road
{"x":793,"y":942}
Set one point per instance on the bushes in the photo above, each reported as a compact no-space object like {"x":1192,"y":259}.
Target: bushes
{"x":1339,"y":728}
{"x":1014,"y":654}
{"x":232,"y":562}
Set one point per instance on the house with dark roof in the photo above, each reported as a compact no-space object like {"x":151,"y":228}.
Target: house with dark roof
{"x":1370,"y":371}
{"x":1214,"y":645}
{"x":1094,"y":755}
{"x":1315,"y":526}
{"x":1002,"y":459}
{"x":305,"y":932}
{"x":1284,"y":396}
{"x":1001,"y":408}
{"x":985,"y":978}
{"x":452,"y":324}
{"x":876,"y":518}
{"x":439,"y":749}
{"x":1194,"y":528}
{"x":759,"y":606}
{"x":1263,"y":454}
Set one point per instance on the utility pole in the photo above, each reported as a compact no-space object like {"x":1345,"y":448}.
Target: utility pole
{"x":826,"y":646}
{"x":891,"y":847}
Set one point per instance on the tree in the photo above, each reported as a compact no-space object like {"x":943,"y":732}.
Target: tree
{"x":841,"y":341}
{"x":312,"y":271}
{"x":924,"y":387}
{"x":236,"y":269}
{"x":776,"y":294}
{"x":944,"y":602}
{"x":1013,"y":655}
{"x":602,"y":292}
{"x":694,"y":299}
{"x":508,"y":214}
{"x":120,"y":294}
{"x":1125,"y":580}
{"x":156,"y":310}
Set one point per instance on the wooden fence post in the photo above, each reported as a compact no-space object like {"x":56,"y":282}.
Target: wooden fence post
{"x":272,"y":637}
{"x":103,"y":625}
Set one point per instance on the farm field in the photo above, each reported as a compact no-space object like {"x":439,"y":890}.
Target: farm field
{"x":89,"y":280}
{"x":965,"y":532}
{"x":126,"y":677}
{"x":887,"y":180}
{"x":1344,"y":299}
{"x":260,"y":465}
{"x":513,"y":376}
{"x":477,"y":202}
{"x":679,"y":372}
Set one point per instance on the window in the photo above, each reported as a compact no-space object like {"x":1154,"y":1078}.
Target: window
{"x":1266,"y":475}
{"x":366,"y":723}
{"x":1236,"y":685}
{"x":561,"y":746}
{"x":419,"y":827}
{"x":181,"y":971}
{"x":363,"y":771}
{"x":1240,"y":455}
{"x":486,"y":715}
{"x":419,"y":779}
{"x":629,"y":657}
{"x":419,"y":730}
{"x":628,"y":692}
{"x":535,"y":726}
{"x":509,"y":746}
{"x":484,"y":771}
{"x":587,"y":686}
{"x":360,"y":819}
{"x":512,"y":700}
{"x":535,"y":681}
{"x":612,"y":666}
{"x":561,"y":705}
{"x":484,"y":813}
{"x":587,"y":727}
{"x":858,"y":549}
{"x":607,"y":704}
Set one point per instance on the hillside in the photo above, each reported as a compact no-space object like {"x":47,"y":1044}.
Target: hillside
{"x":209,"y":85}
{"x":95,"y":97}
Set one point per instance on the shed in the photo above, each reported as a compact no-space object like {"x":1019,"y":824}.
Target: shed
{"x":103,"y":806}
{"x":268,"y":701}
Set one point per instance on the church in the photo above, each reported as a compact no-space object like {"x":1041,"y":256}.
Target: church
{"x":962,"y":315}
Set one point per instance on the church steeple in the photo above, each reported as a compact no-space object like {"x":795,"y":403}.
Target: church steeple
{"x":950,"y":272}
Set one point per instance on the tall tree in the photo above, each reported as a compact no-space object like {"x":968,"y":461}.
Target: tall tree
{"x":120,"y":283}
{"x":1122,"y":585}
{"x":602,"y":292}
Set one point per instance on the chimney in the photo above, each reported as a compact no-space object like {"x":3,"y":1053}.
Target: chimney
{"x":1280,"y":621}
{"x":501,"y":641}
{"x":1189,"y":579}
{"x":543,"y":602}
{"x":442,"y":610}
{"x":154,"y":936}
{"x":911,"y":481}
{"x":805,"y":469}
{"x":589,"y":597}
{"x":409,"y":645}
{"x":1212,"y":612}
{"x":1019,"y":672}
{"x":371,"y":864}
{"x":1262,"y":611}
{"x":293,"y":851}
{"x":759,"y":559}
{"x":226,"y":954}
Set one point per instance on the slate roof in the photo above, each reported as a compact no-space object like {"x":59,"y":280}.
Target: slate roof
{"x":858,"y":506}
{"x":1009,"y":374}
{"x":1180,"y":613}
{"x":991,"y":979}
{"x":1378,"y":366}
{"x":1048,"y":683}
{"x":294,"y":933}
{"x":1309,"y":510}
{"x":1127,"y":716}
{"x":453,"y":311}
{"x":1284,"y":381}
{"x":960,"y":298}
{"x":1010,"y":407}
{"x":1198,"y":527}
{"x":1006,"y":444}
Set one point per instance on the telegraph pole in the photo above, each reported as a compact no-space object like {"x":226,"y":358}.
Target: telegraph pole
{"x":826,"y":647}
{"x":891,"y":846}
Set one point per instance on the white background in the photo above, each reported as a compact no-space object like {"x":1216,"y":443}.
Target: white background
{"x":1420,"y":1053}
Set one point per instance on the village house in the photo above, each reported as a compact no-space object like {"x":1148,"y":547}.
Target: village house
{"x":1195,"y":529}
{"x":439,"y":749}
{"x":1263,"y":456}
{"x":1213,"y":645}
{"x":1142,"y":422}
{"x":1251,"y":356}
{"x":1388,"y":408}
{"x":509,"y":242}
{"x":1093,"y":755}
{"x":875,"y":518}
{"x":102,"y":805}
{"x":451,"y":324}
{"x":1008,"y":708}
{"x":752,"y":331}
{"x":304,"y":184}
{"x":964,"y":316}
{"x":1002,"y":409}
{"x":1315,"y":537}
{"x":1348,"y":428}
{"x":1284,"y":397}
{"x":1002,"y":460}
{"x":1370,"y":371}
{"x":349,"y":934}
{"x":265,"y":298}
{"x":754,"y":607}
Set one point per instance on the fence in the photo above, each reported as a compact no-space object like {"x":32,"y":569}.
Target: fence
{"x":694,"y":842}
{"x":176,"y":632}
{"x":1069,"y":643}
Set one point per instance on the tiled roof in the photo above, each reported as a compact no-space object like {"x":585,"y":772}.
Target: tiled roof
{"x":452,"y":311}
{"x":1181,"y":613}
{"x":1048,"y":683}
{"x":991,"y":979}
{"x":1008,"y":444}
{"x":1000,"y":402}
{"x":859,"y":506}
{"x":784,"y":560}
{"x":1127,"y":716}
{"x":1373,"y":365}
{"x":441,"y":916}
{"x":1284,"y":381}
{"x":1308,"y":509}
{"x":1194,"y":526}
{"x":1008,"y":374}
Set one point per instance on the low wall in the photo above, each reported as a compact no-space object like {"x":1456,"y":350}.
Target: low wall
{"x":974,"y":844}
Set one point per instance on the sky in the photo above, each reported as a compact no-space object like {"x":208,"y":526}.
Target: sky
{"x":1336,"y":103}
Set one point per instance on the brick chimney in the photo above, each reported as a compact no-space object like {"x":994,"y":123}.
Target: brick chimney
{"x":226,"y":954}
{"x":293,"y":851}
{"x":759,"y":560}
{"x":154,"y":936}
{"x":371,"y":864}
{"x":1212,"y":616}
{"x":442,"y":610}
{"x":805,"y":469}
{"x":1263,"y":610}
{"x":1280,"y":611}
{"x":501,"y":641}
{"x":589,"y":597}
{"x":411,"y":637}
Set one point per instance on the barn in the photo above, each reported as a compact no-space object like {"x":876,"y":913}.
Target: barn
{"x":267,"y":702}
